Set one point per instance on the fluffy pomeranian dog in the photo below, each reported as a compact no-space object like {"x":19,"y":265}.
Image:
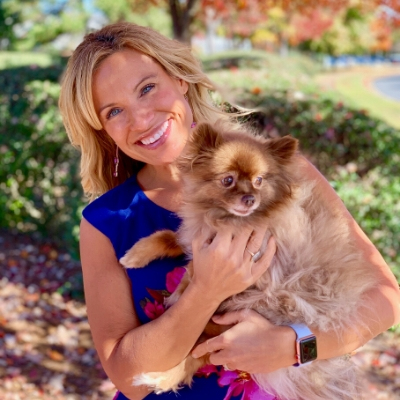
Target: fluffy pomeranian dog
{"x":316,"y":276}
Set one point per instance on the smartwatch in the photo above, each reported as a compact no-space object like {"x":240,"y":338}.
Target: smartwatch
{"x":306,"y":345}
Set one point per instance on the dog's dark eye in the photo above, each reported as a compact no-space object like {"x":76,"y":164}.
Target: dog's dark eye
{"x":258,"y":181}
{"x":227,"y":181}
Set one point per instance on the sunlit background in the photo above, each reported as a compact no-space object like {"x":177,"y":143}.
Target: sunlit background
{"x":326,"y":72}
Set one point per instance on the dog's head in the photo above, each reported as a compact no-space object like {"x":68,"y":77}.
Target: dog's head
{"x":236,"y":172}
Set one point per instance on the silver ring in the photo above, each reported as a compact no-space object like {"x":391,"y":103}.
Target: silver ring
{"x":226,"y":368}
{"x":254,"y":256}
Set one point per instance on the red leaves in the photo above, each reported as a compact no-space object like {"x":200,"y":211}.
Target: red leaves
{"x":311,"y":25}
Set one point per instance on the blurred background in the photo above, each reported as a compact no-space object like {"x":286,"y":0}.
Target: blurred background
{"x":326,"y":72}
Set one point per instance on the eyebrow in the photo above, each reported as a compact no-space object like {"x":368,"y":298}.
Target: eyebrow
{"x":145,"y":78}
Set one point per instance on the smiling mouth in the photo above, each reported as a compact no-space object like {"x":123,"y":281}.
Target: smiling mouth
{"x":156,"y":136}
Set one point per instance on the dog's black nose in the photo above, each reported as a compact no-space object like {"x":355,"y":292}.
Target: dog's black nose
{"x":248,"y":200}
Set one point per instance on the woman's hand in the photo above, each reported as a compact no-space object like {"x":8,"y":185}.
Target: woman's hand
{"x":253,"y":344}
{"x":224,"y":265}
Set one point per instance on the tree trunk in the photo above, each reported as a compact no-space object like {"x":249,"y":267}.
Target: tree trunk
{"x":182,"y":15}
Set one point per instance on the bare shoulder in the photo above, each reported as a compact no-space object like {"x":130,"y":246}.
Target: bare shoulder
{"x":107,"y":291}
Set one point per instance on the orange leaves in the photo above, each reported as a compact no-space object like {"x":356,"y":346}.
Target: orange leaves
{"x":382,"y":33}
{"x":310,"y":26}
{"x":305,"y":6}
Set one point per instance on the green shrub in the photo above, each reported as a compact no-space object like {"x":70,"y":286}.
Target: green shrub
{"x":40,"y":187}
{"x":374,"y":202}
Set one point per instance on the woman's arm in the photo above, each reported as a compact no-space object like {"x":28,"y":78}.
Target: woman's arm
{"x":127,"y":348}
{"x":255,"y":345}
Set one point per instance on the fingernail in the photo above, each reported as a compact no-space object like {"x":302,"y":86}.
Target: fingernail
{"x":194,"y":355}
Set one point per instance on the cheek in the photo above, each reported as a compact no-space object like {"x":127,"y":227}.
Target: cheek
{"x":117,"y":130}
{"x":172,"y":100}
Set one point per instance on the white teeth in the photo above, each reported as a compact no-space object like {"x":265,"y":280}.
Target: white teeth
{"x":157,"y":135}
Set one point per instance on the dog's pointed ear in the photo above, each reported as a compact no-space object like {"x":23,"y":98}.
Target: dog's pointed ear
{"x":205,"y":137}
{"x":200,"y":147}
{"x":282,"y":149}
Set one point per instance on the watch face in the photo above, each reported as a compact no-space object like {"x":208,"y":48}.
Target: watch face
{"x":308,"y":350}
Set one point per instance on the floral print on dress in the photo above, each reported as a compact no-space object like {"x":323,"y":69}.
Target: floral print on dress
{"x":238,"y":382}
{"x":154,"y":308}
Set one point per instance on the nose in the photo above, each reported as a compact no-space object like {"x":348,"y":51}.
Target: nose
{"x":248,"y":200}
{"x":141,"y":117}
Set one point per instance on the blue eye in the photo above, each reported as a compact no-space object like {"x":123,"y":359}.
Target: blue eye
{"x":113,"y":112}
{"x":147,"y":88}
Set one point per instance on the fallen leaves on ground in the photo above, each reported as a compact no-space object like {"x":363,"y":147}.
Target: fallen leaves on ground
{"x":46,"y":350}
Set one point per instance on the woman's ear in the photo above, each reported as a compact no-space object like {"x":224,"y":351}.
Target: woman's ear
{"x":183,"y":86}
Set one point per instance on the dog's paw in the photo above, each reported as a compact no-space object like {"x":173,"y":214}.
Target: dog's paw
{"x":157,"y":381}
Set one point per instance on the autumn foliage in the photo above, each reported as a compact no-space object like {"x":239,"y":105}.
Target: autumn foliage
{"x":310,"y":25}
{"x":304,"y":20}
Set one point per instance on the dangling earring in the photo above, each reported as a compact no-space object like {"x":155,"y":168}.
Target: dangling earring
{"x":187,"y":99}
{"x":116,"y":162}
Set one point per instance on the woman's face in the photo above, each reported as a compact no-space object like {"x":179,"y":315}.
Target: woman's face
{"x":141,"y":107}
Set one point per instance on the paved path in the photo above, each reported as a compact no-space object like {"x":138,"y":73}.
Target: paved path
{"x":389,"y":86}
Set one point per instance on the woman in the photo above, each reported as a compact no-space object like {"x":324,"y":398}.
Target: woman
{"x":129,"y":101}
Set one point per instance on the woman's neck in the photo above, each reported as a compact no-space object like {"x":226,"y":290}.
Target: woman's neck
{"x":153,"y":177}
{"x":162,"y":185}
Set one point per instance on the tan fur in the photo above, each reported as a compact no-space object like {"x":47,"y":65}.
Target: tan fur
{"x":316,"y":276}
{"x":160,"y":244}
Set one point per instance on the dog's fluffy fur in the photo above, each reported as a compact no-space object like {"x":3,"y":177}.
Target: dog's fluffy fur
{"x":316,"y":277}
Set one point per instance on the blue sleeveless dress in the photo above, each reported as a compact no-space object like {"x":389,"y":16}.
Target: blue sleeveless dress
{"x":125,"y":215}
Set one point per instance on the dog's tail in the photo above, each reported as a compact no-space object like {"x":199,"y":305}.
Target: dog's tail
{"x":158,"y":245}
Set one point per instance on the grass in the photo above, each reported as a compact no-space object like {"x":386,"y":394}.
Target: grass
{"x":357,"y":91}
{"x":354,"y":87}
{"x":235,"y":70}
{"x":10,"y":59}
{"x":259,"y":71}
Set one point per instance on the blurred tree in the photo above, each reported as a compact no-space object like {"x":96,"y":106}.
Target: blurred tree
{"x":181,"y":12}
{"x":269,"y":23}
{"x":9,"y":16}
{"x":310,"y":26}
{"x":182,"y":15}
{"x":33,"y":23}
{"x":238,"y":18}
{"x":139,"y":12}
{"x":354,"y":30}
{"x":269,"y":34}
{"x":383,"y":36}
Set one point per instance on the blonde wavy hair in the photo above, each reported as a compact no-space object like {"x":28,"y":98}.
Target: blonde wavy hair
{"x":76,"y":99}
